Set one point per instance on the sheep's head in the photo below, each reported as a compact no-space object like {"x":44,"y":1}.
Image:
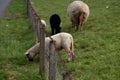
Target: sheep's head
{"x":29,"y":56}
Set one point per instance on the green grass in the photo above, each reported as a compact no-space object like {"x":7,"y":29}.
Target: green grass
{"x":97,"y":47}
{"x":15,"y":39}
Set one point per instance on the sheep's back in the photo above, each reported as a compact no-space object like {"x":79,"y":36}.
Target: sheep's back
{"x":77,"y":6}
{"x":60,"y":39}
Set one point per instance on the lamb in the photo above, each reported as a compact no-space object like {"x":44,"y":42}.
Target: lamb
{"x":78,"y":12}
{"x":62,"y":41}
{"x":55,"y":24}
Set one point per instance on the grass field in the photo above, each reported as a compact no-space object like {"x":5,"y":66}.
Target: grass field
{"x":97,"y":47}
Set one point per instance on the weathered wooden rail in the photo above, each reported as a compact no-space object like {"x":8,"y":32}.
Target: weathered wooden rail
{"x":36,"y":25}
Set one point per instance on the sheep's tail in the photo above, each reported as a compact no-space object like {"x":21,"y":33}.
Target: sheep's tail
{"x":81,"y":19}
{"x":72,"y":45}
{"x":78,"y":17}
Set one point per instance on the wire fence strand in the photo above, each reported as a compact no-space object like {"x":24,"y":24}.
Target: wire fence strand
{"x":46,"y":62}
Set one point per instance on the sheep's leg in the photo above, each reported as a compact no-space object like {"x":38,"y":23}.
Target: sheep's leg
{"x":69,"y":54}
{"x":69,"y":57}
{"x":73,"y":56}
{"x":81,"y":18}
{"x":71,"y":21}
{"x":81,"y":28}
{"x":76,"y":23}
{"x":73,"y":24}
{"x":57,"y":29}
{"x":76,"y":28}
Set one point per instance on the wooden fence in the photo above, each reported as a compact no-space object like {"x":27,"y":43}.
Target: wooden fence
{"x":35,"y":23}
{"x":48,"y":60}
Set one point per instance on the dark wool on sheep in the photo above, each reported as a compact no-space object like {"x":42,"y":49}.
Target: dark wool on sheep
{"x":55,"y":24}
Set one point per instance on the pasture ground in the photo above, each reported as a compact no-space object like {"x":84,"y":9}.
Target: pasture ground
{"x":97,"y":47}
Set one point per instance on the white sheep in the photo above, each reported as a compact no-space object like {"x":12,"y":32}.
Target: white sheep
{"x":78,"y":12}
{"x":62,"y":41}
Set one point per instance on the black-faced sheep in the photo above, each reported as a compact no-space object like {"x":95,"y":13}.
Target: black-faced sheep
{"x":55,"y":24}
{"x":31,"y":53}
{"x":62,"y":41}
{"x":78,"y":12}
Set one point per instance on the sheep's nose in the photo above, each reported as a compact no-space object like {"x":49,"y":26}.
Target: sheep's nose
{"x":27,"y":55}
{"x":30,"y":59}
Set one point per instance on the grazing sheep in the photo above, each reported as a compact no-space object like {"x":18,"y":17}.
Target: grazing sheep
{"x":62,"y":41}
{"x":78,"y":11}
{"x":30,"y":53}
{"x":55,"y":24}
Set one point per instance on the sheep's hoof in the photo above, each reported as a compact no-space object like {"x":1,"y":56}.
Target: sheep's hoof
{"x":81,"y":29}
{"x":73,"y":57}
{"x":76,"y":28}
{"x":69,"y":59}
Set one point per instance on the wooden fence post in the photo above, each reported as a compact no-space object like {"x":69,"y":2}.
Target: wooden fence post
{"x":52,"y":61}
{"x":41,"y":38}
{"x":26,"y":2}
{"x":30,"y":15}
